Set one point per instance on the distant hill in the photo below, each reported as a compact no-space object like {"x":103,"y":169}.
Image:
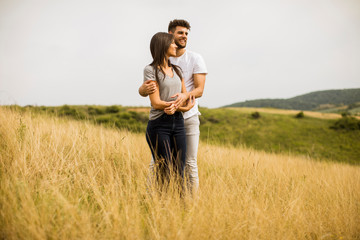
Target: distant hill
{"x":320,"y":100}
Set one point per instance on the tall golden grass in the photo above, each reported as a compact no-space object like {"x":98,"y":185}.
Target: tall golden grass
{"x":63,"y":179}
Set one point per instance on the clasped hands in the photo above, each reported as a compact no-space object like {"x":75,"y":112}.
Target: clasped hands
{"x":149,"y":87}
{"x":183,"y":102}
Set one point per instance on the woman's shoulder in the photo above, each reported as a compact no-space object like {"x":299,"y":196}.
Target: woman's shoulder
{"x":148,"y":68}
{"x":149,"y":73}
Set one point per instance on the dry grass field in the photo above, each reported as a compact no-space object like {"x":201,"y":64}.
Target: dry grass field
{"x":62,"y":179}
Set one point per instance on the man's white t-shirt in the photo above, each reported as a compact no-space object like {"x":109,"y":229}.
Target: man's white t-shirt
{"x":190,"y":63}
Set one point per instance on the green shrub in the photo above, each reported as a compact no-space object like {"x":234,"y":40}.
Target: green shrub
{"x":95,"y":111}
{"x":345,"y":114}
{"x":347,"y":123}
{"x":300,"y":115}
{"x":212,"y":119}
{"x":124,"y":116}
{"x":112,"y":109}
{"x":255,"y":115}
{"x":140,"y":116}
{"x":66,"y":110}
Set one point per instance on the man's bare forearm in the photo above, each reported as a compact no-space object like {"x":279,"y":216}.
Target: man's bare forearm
{"x":197,"y":92}
{"x":199,"y":83}
{"x":142,"y":91}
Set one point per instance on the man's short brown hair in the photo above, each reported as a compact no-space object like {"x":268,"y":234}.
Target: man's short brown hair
{"x":178,"y":22}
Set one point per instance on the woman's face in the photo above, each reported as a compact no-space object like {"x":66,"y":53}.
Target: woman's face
{"x":171,"y":52}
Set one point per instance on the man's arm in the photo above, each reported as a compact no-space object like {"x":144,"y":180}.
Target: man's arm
{"x":147,"y":88}
{"x":199,"y":83}
{"x":189,"y":104}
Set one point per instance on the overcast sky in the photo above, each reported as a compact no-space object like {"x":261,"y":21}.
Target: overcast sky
{"x":55,"y":52}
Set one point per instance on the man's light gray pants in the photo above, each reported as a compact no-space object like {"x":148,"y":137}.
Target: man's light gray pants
{"x":192,"y":143}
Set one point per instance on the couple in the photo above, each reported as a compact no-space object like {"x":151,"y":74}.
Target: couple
{"x":173,"y":81}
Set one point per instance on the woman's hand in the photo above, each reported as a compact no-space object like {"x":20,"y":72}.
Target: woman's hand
{"x":171,"y":109}
{"x":157,"y":103}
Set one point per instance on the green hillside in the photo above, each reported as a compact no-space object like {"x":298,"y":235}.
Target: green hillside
{"x":336,"y":139}
{"x":333,"y":139}
{"x":320,"y":100}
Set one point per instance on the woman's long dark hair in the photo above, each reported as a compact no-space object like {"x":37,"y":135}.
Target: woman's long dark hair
{"x":159,"y":46}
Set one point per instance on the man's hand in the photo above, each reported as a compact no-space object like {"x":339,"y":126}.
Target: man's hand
{"x":171,"y":109}
{"x":147,"y":88}
{"x":181,"y":97}
{"x":190,"y":102}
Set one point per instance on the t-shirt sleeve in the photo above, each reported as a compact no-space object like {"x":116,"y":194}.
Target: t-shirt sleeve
{"x":149,"y":73}
{"x":199,"y":65}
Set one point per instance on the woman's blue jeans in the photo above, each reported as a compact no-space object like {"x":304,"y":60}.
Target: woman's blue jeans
{"x":167,"y":141}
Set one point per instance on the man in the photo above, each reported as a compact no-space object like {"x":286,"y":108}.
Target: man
{"x":194,"y":74}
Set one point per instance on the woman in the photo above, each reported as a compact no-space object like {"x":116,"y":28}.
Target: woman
{"x":165,"y":132}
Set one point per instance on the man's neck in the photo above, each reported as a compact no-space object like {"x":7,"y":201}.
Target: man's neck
{"x":180,"y":52}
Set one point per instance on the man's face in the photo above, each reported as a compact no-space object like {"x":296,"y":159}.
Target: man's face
{"x":180,"y":36}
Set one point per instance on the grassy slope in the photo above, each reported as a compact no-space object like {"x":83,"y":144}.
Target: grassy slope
{"x":281,"y":133}
{"x":63,"y":179}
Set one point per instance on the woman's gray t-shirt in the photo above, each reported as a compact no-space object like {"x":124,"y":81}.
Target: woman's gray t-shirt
{"x":168,"y":87}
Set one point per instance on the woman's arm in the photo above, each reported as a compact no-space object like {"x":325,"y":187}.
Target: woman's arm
{"x":156,"y":102}
{"x":183,"y":96}
{"x":183,"y":105}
